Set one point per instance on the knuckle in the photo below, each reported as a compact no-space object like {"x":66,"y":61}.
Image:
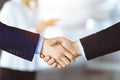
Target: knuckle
{"x":68,"y":63}
{"x":72,"y":58}
{"x":49,"y":63}
{"x":54,"y":65}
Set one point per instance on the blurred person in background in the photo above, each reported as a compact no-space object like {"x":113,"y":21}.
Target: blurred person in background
{"x":24,"y":15}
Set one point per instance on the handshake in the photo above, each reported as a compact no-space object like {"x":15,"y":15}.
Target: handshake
{"x":59,"y":52}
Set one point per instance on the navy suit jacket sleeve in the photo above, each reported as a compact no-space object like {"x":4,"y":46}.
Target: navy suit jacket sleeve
{"x":18,"y":42}
{"x":102,"y":43}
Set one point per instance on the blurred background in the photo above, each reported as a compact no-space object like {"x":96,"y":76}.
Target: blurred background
{"x":73,"y":19}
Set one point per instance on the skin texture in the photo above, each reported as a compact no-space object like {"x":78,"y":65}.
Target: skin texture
{"x":63,"y":52}
{"x":56,"y":53}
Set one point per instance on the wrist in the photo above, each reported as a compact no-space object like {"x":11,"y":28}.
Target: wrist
{"x":43,"y":46}
{"x":77,"y":48}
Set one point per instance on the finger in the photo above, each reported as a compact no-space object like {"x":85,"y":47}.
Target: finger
{"x":59,"y":66}
{"x":61,"y":63}
{"x":51,"y":61}
{"x":54,"y":65}
{"x":69,"y":56}
{"x":46,"y":58}
{"x":65,"y":60}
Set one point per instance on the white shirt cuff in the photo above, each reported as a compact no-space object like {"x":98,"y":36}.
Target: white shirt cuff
{"x":82,"y":50}
{"x":39,"y":45}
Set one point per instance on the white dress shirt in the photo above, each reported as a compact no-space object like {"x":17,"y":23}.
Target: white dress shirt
{"x":82,"y":50}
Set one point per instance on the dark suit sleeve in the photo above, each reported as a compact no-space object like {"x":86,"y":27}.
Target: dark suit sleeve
{"x":102,"y":43}
{"x":18,"y":42}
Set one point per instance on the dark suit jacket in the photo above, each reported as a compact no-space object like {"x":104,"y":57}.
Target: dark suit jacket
{"x":18,"y":42}
{"x":103,"y":42}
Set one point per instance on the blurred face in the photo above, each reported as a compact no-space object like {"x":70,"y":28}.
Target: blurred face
{"x":30,"y":3}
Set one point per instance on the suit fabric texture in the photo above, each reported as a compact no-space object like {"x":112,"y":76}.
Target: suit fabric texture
{"x":18,"y":42}
{"x":102,"y":43}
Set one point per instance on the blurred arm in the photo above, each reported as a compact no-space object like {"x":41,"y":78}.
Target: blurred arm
{"x":18,"y":42}
{"x":102,"y":43}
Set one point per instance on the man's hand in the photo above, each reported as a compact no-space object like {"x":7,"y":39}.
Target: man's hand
{"x":71,"y":47}
{"x":57,"y":56}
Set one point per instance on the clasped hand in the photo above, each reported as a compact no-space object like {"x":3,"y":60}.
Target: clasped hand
{"x":59,"y":52}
